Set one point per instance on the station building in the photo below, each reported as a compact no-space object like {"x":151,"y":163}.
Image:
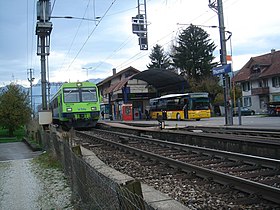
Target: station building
{"x":135,"y":88}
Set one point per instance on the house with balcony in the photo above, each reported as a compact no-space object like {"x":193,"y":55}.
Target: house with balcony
{"x":260,"y":81}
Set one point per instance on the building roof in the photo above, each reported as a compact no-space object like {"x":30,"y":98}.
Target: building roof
{"x":117,"y":86}
{"x":262,"y":66}
{"x":130,"y":68}
{"x":163,"y":80}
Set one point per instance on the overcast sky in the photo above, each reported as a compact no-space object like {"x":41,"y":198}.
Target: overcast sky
{"x":109,"y":43}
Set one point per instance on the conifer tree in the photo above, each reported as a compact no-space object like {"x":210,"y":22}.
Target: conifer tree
{"x":159,"y":59}
{"x":193,"y":53}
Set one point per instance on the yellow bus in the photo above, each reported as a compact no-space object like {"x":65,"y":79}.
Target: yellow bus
{"x":180,"y":106}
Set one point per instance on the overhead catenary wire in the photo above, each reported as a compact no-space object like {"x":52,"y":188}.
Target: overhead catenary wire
{"x":74,"y":38}
{"x":136,"y":56}
{"x":118,"y":49}
{"x":101,"y":18}
{"x":30,"y":30}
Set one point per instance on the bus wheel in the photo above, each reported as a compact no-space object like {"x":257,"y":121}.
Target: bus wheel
{"x":178,"y":117}
{"x":197,"y":119}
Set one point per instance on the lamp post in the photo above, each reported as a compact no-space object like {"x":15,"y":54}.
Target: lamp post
{"x":87,"y":68}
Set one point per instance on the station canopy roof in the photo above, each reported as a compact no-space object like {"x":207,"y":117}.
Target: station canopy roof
{"x":163,"y":80}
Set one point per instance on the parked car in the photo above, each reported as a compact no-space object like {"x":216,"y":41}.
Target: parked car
{"x":244,"y":111}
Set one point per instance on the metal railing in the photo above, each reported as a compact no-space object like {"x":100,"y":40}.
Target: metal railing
{"x":92,"y":189}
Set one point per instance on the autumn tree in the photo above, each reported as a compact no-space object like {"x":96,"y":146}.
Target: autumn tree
{"x":159,"y":59}
{"x":14,"y":108}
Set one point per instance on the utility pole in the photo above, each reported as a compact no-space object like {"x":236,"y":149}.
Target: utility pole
{"x":217,"y":6}
{"x":43,"y":31}
{"x":30,"y":78}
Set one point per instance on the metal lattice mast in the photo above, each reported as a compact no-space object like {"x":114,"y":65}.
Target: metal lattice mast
{"x":43,"y":31}
{"x":139,"y":25}
{"x":30,"y":78}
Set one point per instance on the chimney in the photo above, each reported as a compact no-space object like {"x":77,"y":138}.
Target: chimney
{"x":273,"y":51}
{"x":114,"y":71}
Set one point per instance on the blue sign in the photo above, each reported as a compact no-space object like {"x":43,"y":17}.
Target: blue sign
{"x":221,"y":69}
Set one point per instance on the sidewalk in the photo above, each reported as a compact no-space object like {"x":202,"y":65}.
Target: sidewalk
{"x":25,"y":185}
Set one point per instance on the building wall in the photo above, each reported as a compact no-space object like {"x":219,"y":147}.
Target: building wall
{"x":137,"y":86}
{"x":258,"y":102}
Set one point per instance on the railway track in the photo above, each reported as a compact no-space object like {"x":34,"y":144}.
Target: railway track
{"x":216,"y":138}
{"x":257,"y":133}
{"x":256,"y":176}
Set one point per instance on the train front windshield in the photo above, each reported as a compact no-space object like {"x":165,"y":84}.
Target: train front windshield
{"x":76,"y":95}
{"x":89,"y":95}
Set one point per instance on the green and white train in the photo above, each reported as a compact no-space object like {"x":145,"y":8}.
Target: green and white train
{"x":77,"y":105}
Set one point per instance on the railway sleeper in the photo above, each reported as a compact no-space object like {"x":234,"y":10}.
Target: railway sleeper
{"x":261,"y":173}
{"x":270,"y":181}
{"x":246,"y":168}
{"x":96,"y":145}
{"x":124,"y":139}
{"x":225,"y":165}
{"x":251,"y":199}
{"x":224,"y":189}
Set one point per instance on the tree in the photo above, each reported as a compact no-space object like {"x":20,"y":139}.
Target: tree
{"x":193,"y":54}
{"x":159,"y":58}
{"x":210,"y":85}
{"x":14,"y":108}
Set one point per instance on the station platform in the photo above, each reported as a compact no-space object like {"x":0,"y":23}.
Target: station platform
{"x":250,"y":122}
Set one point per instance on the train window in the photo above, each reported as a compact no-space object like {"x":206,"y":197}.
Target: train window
{"x":89,"y":94}
{"x":71,"y":95}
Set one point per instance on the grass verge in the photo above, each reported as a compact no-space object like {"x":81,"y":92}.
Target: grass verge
{"x":47,"y":160}
{"x":18,"y":135}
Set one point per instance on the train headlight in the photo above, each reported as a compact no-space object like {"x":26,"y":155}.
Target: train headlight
{"x":93,"y":108}
{"x":69,"y":109}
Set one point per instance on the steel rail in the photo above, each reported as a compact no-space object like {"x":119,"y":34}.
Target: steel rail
{"x":248,"y":145}
{"x":237,"y":131}
{"x":251,"y":159}
{"x":267,"y":192}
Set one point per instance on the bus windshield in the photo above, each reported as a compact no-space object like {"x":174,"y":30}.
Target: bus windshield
{"x":200,"y":104}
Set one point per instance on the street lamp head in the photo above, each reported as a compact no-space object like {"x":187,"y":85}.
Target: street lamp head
{"x":86,"y":68}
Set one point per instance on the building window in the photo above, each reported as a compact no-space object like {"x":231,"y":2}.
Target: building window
{"x":246,"y":86}
{"x":247,"y":101}
{"x":256,"y":69}
{"x":263,"y":83}
{"x":276,"y":82}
